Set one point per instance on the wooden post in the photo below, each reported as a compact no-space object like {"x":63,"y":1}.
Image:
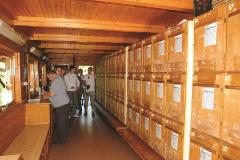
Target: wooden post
{"x":189,"y":86}
{"x":125,"y":78}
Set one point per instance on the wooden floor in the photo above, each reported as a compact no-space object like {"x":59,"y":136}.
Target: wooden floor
{"x":92,"y":139}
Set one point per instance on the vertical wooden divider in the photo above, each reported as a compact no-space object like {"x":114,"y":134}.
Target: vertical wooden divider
{"x":125,"y":80}
{"x":189,"y":86}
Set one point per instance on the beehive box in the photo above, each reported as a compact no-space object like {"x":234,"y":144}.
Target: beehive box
{"x":136,"y":123}
{"x":145,"y":123}
{"x":160,"y":93}
{"x":122,"y":87}
{"x":131,"y":61}
{"x":138,"y":57}
{"x":130,"y":116}
{"x":177,"y":40}
{"x":231,"y":111}
{"x":207,"y":106}
{"x":173,"y":140}
{"x":160,"y":53}
{"x":121,"y":113}
{"x":176,"y":87}
{"x":232,"y":61}
{"x":130,"y":88}
{"x":147,"y":55}
{"x":229,"y":152}
{"x":157,"y":134}
{"x":121,"y":61}
{"x":147,"y":91}
{"x":210,"y":40}
{"x":204,"y":147}
{"x":138,"y":90}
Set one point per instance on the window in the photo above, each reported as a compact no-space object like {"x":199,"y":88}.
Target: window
{"x":33,"y":77}
{"x":7,"y":73}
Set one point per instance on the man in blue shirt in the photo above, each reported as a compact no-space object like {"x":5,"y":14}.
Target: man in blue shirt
{"x":60,"y":103}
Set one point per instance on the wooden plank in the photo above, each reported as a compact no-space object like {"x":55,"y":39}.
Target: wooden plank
{"x":11,"y":124}
{"x":78,"y":46}
{"x":76,"y":38}
{"x":11,"y":157}
{"x":5,"y":15}
{"x":176,"y":5}
{"x":29,"y":143}
{"x":86,"y":24}
{"x":71,"y":51}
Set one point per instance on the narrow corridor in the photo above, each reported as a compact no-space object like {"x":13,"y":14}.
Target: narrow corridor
{"x":92,"y":139}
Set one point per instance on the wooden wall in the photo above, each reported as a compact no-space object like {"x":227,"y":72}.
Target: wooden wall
{"x":11,"y":123}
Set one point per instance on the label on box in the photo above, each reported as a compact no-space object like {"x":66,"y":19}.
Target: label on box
{"x":177,"y":93}
{"x":160,"y":90}
{"x":161,"y":48}
{"x":148,"y":51}
{"x":210,"y":34}
{"x":146,"y":123}
{"x":138,"y":86}
{"x":158,"y":131}
{"x":131,"y":56}
{"x":148,"y":88}
{"x":205,"y":155}
{"x":178,"y":43}
{"x":137,"y":117}
{"x":130,"y":85}
{"x":129,"y":113}
{"x":139,"y":53}
{"x":208,"y":98}
{"x":174,"y":140}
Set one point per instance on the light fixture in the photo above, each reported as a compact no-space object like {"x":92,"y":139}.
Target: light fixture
{"x":11,"y":34}
{"x":36,"y":51}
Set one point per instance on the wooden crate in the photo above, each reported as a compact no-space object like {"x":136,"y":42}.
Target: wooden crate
{"x":231,"y":111}
{"x":232,"y":60}
{"x":160,"y":93}
{"x":147,"y":91}
{"x":207,"y":106}
{"x":160,"y":53}
{"x":122,"y":62}
{"x":173,"y":140}
{"x":136,"y":123}
{"x":130,"y":116}
{"x":130,"y":88}
{"x":122,"y":87}
{"x":176,"y":97}
{"x":204,"y":147}
{"x":138,"y":57}
{"x":210,"y":40}
{"x":138,"y":90}
{"x":131,"y":61}
{"x":177,"y":40}
{"x":229,"y":152}
{"x":147,"y":55}
{"x":157,"y":134}
{"x":145,"y":123}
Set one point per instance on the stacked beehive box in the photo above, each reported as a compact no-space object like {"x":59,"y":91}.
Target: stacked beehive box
{"x":156,"y":87}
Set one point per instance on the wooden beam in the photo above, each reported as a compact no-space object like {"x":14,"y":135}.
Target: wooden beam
{"x":175,"y":5}
{"x":5,"y":15}
{"x":76,"y":38}
{"x":86,"y":24}
{"x":69,"y":51}
{"x":78,"y":46}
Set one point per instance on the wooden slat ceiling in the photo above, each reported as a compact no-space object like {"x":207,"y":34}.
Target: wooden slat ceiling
{"x":91,"y":27}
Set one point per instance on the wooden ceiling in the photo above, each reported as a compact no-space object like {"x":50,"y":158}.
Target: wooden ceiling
{"x":88,"y":29}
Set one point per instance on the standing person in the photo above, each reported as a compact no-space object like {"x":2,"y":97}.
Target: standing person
{"x":60,"y":102}
{"x":89,"y":85}
{"x":59,"y":71}
{"x":81,"y":90}
{"x":72,"y":84}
